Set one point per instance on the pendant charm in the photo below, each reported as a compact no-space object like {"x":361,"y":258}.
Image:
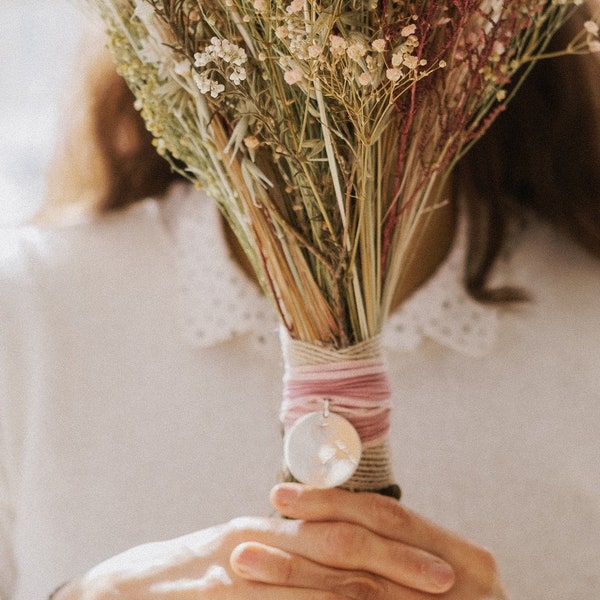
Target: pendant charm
{"x":322,"y":449}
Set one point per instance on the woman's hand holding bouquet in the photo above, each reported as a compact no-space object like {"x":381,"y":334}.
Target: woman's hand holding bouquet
{"x":339,"y":545}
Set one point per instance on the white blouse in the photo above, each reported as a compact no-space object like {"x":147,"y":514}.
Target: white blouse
{"x":140,"y":379}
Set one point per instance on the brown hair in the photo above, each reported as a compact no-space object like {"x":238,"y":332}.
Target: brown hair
{"x":542,"y":153}
{"x":106,"y":159}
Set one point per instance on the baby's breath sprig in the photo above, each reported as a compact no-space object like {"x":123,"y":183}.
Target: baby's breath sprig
{"x":325,"y":129}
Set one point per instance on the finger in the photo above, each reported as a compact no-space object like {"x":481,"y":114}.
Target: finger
{"x":270,"y":565}
{"x":348,"y":546}
{"x":352,"y":547}
{"x":384,"y":516}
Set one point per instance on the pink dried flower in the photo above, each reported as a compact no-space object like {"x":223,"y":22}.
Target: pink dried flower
{"x":293,"y":76}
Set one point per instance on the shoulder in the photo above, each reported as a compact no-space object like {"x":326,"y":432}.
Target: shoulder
{"x":50,"y":262}
{"x":17,"y":244}
{"x":552,"y":267}
{"x":561,"y":321}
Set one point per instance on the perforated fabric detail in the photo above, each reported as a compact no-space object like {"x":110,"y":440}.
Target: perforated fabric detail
{"x":219,"y":302}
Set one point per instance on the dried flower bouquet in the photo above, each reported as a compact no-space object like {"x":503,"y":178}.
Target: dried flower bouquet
{"x":325,"y":130}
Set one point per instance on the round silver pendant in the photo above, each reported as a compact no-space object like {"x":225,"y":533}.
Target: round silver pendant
{"x":322,"y":450}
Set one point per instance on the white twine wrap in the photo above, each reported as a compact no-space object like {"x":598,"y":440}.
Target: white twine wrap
{"x":354,"y":381}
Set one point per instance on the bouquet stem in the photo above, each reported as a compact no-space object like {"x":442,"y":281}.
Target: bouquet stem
{"x":333,"y":395}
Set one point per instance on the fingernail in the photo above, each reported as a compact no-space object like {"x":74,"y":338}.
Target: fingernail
{"x":286,"y":494}
{"x":246,"y":560}
{"x":442,"y":574}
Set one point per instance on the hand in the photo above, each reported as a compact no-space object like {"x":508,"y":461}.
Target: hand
{"x":370,"y":549}
{"x":321,"y":560}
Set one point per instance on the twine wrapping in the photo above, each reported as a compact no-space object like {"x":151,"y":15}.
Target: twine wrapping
{"x":355,"y":382}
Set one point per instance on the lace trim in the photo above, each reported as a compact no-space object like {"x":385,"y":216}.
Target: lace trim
{"x":218,"y":302}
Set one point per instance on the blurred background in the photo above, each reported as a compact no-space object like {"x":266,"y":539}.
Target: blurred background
{"x":38,"y":40}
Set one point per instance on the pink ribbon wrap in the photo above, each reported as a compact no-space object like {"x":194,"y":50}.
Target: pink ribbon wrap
{"x":357,"y":389}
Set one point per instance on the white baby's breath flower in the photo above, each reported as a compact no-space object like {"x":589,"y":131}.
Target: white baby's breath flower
{"x":293,"y":76}
{"x":201,"y":59}
{"x":207,"y":85}
{"x":221,"y":50}
{"x":397,"y":59}
{"x":411,"y":62}
{"x":408,"y":30}
{"x":394,"y":74}
{"x":379,"y":45}
{"x":365,"y":79}
{"x":260,"y":5}
{"x":594,"y":45}
{"x":237,"y":75}
{"x":591,"y":27}
{"x":412,"y":40}
{"x":295,"y":6}
{"x":356,"y":50}
{"x":203,"y":82}
{"x":216,"y":88}
{"x":282,"y":32}
{"x":233,"y":53}
{"x":315,"y":50}
{"x":337,"y":44}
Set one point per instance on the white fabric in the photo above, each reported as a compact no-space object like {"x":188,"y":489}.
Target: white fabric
{"x":116,"y":430}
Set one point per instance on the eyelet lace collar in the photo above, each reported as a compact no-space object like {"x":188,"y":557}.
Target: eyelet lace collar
{"x":218,"y":302}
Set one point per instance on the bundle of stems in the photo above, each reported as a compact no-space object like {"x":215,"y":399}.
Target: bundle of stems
{"x":326,"y":129}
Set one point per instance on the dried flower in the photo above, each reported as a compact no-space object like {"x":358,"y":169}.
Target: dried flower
{"x":591,"y":27}
{"x":379,"y":45}
{"x":295,"y":6}
{"x":293,"y":76}
{"x":365,"y":79}
{"x":356,"y":115}
{"x":356,"y":50}
{"x":394,"y":74}
{"x":338,"y":45}
{"x":408,"y":30}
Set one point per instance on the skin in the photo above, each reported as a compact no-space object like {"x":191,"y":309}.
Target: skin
{"x":339,"y":545}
